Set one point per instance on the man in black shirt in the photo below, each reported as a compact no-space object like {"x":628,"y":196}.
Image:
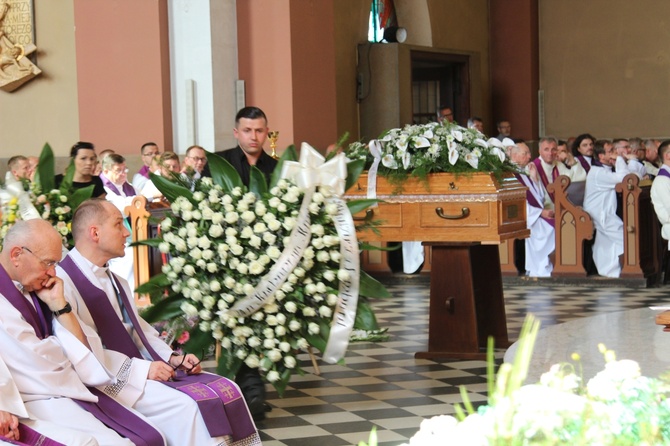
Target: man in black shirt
{"x":251,"y":131}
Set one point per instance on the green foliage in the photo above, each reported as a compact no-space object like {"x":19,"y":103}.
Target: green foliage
{"x":170,"y":189}
{"x":290,"y":154}
{"x":223,"y":173}
{"x":45,"y":173}
{"x":257,"y":183}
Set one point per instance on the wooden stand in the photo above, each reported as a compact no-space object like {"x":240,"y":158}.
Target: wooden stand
{"x":466,"y":301}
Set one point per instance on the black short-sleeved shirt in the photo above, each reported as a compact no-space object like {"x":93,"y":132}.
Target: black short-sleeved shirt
{"x":238,"y":159}
{"x":98,"y":189}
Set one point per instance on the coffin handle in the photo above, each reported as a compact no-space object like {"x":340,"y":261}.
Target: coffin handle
{"x":369,"y":213}
{"x":464,"y":213}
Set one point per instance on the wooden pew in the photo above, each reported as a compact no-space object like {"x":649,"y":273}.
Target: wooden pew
{"x":573,"y":226}
{"x":642,"y":239}
{"x":148,"y":260}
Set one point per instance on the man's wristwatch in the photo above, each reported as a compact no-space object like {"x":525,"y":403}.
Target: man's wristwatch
{"x":66,"y":309}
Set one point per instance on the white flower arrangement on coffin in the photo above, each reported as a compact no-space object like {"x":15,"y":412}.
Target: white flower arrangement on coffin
{"x":420,"y":149}
{"x":267,"y":271}
{"x":617,"y":406}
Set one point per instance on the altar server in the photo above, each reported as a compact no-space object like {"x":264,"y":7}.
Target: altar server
{"x":600,"y":202}
{"x":207,"y":409}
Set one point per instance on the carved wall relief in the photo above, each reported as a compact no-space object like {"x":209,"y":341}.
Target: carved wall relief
{"x":16,"y":42}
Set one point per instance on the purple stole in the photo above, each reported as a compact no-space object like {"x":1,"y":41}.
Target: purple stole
{"x":585,"y":164}
{"x":30,"y":437}
{"x":112,"y":414}
{"x":530,"y":197}
{"x":662,"y":172}
{"x":144,"y":171}
{"x":128,"y":190}
{"x":543,"y":175}
{"x":221,"y":404}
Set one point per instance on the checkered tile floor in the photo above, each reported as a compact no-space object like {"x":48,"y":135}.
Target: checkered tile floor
{"x":383,"y":385}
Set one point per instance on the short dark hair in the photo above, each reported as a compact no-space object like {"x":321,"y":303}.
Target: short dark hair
{"x":81,"y":145}
{"x":112,"y":159}
{"x":663,"y":148}
{"x":250,"y":113}
{"x":188,"y":151}
{"x":93,"y":208}
{"x":578,"y":140}
{"x":13,"y":161}
{"x":147,"y":144}
{"x":599,"y":146}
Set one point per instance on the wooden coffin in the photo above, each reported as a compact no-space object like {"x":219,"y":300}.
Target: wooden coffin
{"x":474,"y":207}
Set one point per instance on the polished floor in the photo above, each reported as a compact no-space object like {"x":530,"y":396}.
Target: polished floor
{"x":382,"y":385}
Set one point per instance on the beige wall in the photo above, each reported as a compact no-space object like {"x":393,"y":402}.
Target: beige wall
{"x":45,"y":109}
{"x":463,"y":26}
{"x":605,"y":67}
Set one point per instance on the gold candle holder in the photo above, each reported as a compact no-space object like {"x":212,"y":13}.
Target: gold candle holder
{"x":274,"y":135}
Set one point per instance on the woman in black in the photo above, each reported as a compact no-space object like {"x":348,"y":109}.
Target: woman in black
{"x":85,"y":160}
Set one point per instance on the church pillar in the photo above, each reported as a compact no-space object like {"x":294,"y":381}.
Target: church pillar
{"x":123,"y":73}
{"x":515,"y":65}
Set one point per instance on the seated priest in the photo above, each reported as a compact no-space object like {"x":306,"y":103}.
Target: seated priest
{"x":51,"y":356}
{"x":148,"y":151}
{"x":600,"y":202}
{"x":190,"y":407}
{"x":16,"y":424}
{"x":541,"y":243}
{"x":120,"y":193}
{"x":549,"y":167}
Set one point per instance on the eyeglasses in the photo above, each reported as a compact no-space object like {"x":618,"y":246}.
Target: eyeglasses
{"x":197,"y":158}
{"x":119,"y":171}
{"x":151,"y":154}
{"x":46,"y":263}
{"x":186,"y":370}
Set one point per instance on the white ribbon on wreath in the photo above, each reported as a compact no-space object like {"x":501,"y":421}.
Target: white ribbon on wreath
{"x":310,"y":172}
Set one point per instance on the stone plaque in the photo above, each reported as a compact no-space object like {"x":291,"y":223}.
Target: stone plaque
{"x":16,"y":42}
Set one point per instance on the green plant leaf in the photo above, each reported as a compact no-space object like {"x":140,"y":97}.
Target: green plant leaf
{"x":46,"y":170}
{"x":365,"y":317}
{"x":153,"y":242}
{"x":354,"y":170}
{"x":228,"y":364}
{"x":198,"y":341}
{"x":318,"y":341}
{"x":282,"y":382}
{"x":66,"y":184}
{"x":356,"y":206}
{"x":223,"y":173}
{"x":370,"y":287}
{"x":257,"y":183}
{"x":170,"y":189}
{"x":157,"y":283}
{"x":78,"y":196}
{"x":164,"y":309}
{"x":290,"y":154}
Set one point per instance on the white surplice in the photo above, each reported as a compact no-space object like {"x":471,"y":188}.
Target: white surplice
{"x":50,"y":372}
{"x":542,"y":240}
{"x":175,"y":413}
{"x":660,"y":197}
{"x":600,"y":202}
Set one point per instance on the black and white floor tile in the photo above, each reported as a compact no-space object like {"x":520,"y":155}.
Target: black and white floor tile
{"x":383,"y":385}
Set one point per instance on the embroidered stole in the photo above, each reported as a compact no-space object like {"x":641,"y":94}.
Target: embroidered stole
{"x":30,"y":437}
{"x":128,"y":190}
{"x":108,"y":411}
{"x":221,"y":404}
